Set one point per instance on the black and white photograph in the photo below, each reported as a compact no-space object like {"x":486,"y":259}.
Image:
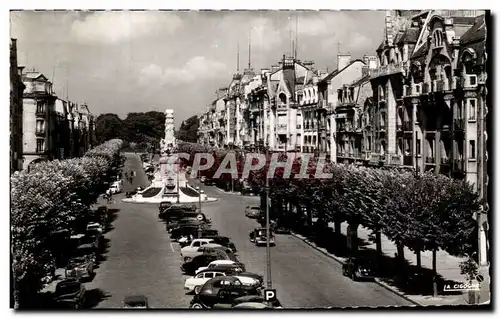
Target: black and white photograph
{"x":250,"y":159}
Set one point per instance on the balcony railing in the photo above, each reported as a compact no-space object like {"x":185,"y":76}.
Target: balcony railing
{"x":40,"y":132}
{"x":281,"y":128}
{"x":383,"y":127}
{"x":368,"y":155}
{"x":430,"y":160}
{"x":388,"y":70}
{"x":40,"y":112}
{"x":376,"y":158}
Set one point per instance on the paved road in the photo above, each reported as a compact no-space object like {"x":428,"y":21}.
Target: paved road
{"x":303,"y":276}
{"x":142,"y":260}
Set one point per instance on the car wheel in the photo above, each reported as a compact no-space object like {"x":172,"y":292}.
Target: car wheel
{"x":77,"y":306}
{"x":197,"y":289}
{"x":187,"y":259}
{"x":196,"y":306}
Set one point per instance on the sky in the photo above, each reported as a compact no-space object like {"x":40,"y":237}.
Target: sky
{"x":121,"y":62}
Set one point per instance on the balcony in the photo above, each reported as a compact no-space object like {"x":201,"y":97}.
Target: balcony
{"x":408,"y":160}
{"x":430,"y":160}
{"x":40,"y":133}
{"x":282,"y":128}
{"x":367,"y":155}
{"x":281,"y":147}
{"x":376,"y":158}
{"x":458,"y":124}
{"x":388,"y":70}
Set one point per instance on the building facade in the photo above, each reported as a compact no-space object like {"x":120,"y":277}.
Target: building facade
{"x":429,"y":98}
{"x":53,"y":128}
{"x":16,"y":110}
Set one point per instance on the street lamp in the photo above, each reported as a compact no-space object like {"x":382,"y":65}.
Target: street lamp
{"x":268,"y":234}
{"x":199,"y":226}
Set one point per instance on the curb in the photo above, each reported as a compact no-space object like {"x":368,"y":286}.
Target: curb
{"x":377,"y":280}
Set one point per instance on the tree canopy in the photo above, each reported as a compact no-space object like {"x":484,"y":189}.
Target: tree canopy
{"x":188,"y":131}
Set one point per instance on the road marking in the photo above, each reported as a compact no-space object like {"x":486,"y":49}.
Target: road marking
{"x":172,"y":247}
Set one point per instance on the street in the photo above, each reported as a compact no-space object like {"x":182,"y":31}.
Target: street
{"x":142,"y":259}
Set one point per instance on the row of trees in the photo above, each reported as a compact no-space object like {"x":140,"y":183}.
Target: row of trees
{"x":142,"y":130}
{"x":422,"y":211}
{"x":48,"y":199}
{"x":188,"y":131}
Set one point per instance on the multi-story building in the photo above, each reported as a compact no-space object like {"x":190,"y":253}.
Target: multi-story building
{"x":52,"y":128}
{"x":38,"y":118}
{"x":430,"y":98}
{"x":347,"y":72}
{"x":16,"y":111}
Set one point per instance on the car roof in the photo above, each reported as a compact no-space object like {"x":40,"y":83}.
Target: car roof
{"x":219,"y":278}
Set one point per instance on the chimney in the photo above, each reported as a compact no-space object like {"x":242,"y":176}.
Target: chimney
{"x":343,"y":60}
{"x":370,"y":61}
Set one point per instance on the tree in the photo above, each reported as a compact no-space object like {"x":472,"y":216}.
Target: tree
{"x":189,"y":129}
{"x":108,"y":126}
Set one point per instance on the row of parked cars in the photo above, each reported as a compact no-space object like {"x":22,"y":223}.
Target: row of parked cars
{"x":216,"y":276}
{"x":70,"y":292}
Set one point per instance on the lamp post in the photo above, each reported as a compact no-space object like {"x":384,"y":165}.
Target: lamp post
{"x":268,"y":234}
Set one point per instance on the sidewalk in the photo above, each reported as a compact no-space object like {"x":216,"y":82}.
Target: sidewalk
{"x":447,"y":266}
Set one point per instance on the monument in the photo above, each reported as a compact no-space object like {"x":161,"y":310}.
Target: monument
{"x":168,"y":143}
{"x":170,"y":182}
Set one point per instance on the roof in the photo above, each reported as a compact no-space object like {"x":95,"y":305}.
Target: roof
{"x":360,"y":81}
{"x":337,"y":72}
{"x":381,"y":46}
{"x":476,"y":33}
{"x":410,"y":35}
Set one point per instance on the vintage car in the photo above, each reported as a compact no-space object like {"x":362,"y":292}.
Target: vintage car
{"x":70,"y":294}
{"x":222,"y":290}
{"x":252,"y":212}
{"x":259,"y":237}
{"x":136,"y":302}
{"x":81,"y":267}
{"x":195,"y":248}
{"x":359,"y":269}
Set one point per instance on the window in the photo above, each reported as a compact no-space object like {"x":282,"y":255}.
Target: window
{"x":472,"y":149}
{"x":219,"y":274}
{"x":196,"y":244}
{"x":40,"y":145}
{"x":472,"y":80}
{"x":472,"y":109}
{"x":199,"y":275}
{"x":419,"y":152}
{"x":40,"y":126}
{"x":369,"y":143}
{"x":209,"y":275}
{"x":40,"y":107}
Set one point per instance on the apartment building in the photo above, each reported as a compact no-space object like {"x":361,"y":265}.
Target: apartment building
{"x":429,"y":97}
{"x":16,"y":110}
{"x":53,"y":128}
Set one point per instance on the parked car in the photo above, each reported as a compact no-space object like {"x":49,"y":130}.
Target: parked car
{"x":200,"y":261}
{"x":174,"y":212}
{"x":259,"y":237}
{"x":359,"y":269}
{"x":188,"y":230}
{"x":70,"y":294}
{"x":195,"y":283}
{"x":192,"y":250}
{"x":115,"y":188}
{"x":80,"y":267}
{"x":221,"y":290}
{"x":224,"y":261}
{"x":252,"y":212}
{"x":94,"y":226}
{"x":255,"y":299}
{"x":136,"y":302}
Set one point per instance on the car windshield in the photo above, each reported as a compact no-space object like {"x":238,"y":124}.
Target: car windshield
{"x":255,"y":208}
{"x":93,"y":227}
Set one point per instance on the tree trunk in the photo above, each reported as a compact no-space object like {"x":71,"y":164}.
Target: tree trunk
{"x":352,"y":238}
{"x":434,"y":274}
{"x":378,"y":242}
{"x":337,"y":227}
{"x":419,"y":260}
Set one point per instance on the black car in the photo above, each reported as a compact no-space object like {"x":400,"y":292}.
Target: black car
{"x":224,"y":241}
{"x":70,"y":294}
{"x":221,"y":290}
{"x":199,"y":261}
{"x":359,"y":269}
{"x":175,"y":211}
{"x":184,"y":222}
